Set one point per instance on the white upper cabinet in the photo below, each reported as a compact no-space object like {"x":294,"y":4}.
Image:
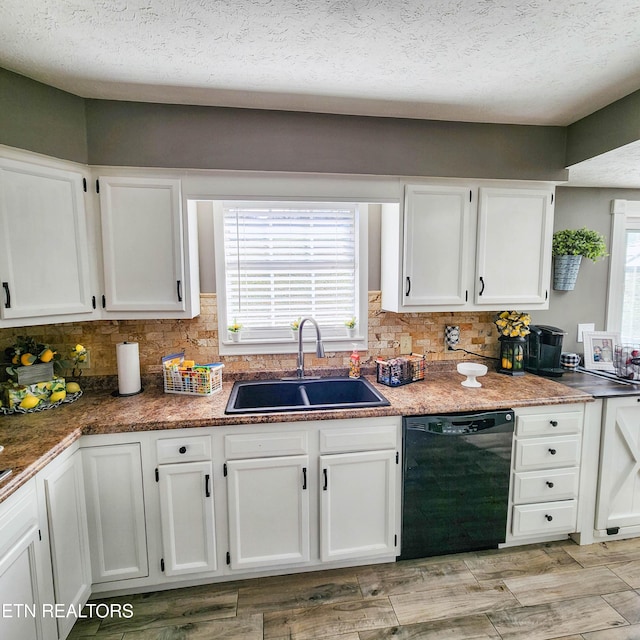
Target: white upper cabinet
{"x":146,"y":267}
{"x":44,"y":259}
{"x":436,"y":243}
{"x":462,"y":246}
{"x":515,"y":228}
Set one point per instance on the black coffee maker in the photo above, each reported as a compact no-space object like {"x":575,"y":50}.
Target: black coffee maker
{"x":544,"y":347}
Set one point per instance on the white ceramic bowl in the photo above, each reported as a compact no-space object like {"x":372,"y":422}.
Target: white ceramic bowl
{"x":472,"y":370}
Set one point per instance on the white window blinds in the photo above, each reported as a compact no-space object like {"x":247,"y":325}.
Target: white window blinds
{"x":285,"y":260}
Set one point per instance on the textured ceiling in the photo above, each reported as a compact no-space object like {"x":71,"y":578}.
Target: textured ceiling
{"x":507,"y":61}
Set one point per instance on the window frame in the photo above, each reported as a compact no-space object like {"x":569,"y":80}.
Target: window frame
{"x":625,"y":216}
{"x":285,"y":343}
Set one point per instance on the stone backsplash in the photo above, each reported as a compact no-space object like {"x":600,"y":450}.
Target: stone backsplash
{"x":199,"y":340}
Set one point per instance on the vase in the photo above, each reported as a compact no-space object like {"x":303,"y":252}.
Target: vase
{"x":511,"y":356}
{"x":351,"y":332}
{"x":235,"y":336}
{"x":565,"y":272}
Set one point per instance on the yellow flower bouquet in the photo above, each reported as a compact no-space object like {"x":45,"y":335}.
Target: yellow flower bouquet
{"x":512,"y":324}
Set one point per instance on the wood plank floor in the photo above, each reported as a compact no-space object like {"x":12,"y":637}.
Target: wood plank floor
{"x":555,"y":591}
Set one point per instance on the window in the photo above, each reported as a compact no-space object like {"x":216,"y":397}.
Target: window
{"x":623,"y":309}
{"x":277,"y":262}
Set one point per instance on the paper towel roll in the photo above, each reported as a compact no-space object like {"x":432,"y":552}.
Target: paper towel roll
{"x":128,"y":359}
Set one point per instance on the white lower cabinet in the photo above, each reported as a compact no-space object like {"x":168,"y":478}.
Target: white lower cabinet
{"x":186,"y":517}
{"x":115,"y":511}
{"x":358,"y":505}
{"x":61,"y":488}
{"x":618,"y":494}
{"x":268,"y":511}
{"x":545,"y":475}
{"x":22,"y":581}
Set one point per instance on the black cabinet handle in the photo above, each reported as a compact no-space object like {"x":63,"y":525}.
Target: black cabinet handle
{"x":549,"y":484}
{"x":7,"y":294}
{"x":408,"y":290}
{"x":552,"y":452}
{"x":548,"y":517}
{"x":482,"y":283}
{"x":182,"y":449}
{"x":104,"y":301}
{"x":207,"y":487}
{"x":93,"y":301}
{"x":179,"y":290}
{"x":304,"y":478}
{"x":326,"y":480}
{"x":553,"y":423}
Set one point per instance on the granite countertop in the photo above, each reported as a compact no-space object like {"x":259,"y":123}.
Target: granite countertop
{"x":598,"y":386}
{"x":32,"y":440}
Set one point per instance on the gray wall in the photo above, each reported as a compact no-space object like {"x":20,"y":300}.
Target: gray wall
{"x":182,"y":136}
{"x":575,"y":208}
{"x":40,"y":118}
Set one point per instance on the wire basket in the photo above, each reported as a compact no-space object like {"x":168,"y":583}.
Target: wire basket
{"x":197,"y":380}
{"x":399,"y":371}
{"x":626,"y":360}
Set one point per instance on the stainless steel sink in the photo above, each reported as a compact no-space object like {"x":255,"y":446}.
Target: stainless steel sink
{"x":304,"y":394}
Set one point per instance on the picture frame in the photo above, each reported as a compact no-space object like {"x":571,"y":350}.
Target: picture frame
{"x":599,"y":348}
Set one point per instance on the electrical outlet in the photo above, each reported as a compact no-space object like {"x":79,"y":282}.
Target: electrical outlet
{"x":405,"y":344}
{"x":587,"y":326}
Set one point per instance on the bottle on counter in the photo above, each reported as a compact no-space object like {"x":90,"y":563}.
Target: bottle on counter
{"x":354,"y":363}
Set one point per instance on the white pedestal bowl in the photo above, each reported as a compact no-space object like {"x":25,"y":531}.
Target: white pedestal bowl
{"x":472,"y":370}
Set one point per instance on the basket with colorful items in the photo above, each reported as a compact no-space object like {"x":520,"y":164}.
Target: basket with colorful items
{"x":33,"y":384}
{"x":626,"y":360}
{"x":187,"y":377}
{"x":402,"y":370}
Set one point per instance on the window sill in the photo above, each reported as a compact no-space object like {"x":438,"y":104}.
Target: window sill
{"x":256,"y":346}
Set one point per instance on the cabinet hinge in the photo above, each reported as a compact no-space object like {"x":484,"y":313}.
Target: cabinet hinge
{"x":97,"y":186}
{"x":224,"y":469}
{"x":40,"y":535}
{"x":157,"y":475}
{"x":162,"y":565}
{"x":84,"y":184}
{"x":611,"y":531}
{"x":397,"y":457}
{"x":228,"y":558}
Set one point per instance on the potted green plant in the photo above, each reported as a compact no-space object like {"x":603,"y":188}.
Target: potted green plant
{"x":295,"y":327}
{"x":568,"y":248}
{"x":350,"y":324}
{"x":234,"y":331}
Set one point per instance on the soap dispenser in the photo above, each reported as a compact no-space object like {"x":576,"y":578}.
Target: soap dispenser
{"x":354,"y":363}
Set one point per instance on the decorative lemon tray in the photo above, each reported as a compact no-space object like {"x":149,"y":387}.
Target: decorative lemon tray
{"x":42,"y":406}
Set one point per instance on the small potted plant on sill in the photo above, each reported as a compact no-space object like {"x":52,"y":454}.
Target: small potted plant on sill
{"x":295,"y":327}
{"x":350,"y":325}
{"x":234,"y":331}
{"x":569,"y":247}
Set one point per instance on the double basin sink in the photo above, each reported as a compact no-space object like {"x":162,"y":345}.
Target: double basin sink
{"x":303,"y":394}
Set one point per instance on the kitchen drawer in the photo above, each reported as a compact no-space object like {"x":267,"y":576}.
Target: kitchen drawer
{"x":547,"y":453}
{"x":549,"y":423}
{"x":368,"y":438}
{"x":544,"y":518}
{"x":540,"y":486}
{"x":185,"y":449}
{"x":259,"y":445}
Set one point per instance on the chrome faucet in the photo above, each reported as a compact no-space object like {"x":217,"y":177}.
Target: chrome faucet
{"x":319,"y":346}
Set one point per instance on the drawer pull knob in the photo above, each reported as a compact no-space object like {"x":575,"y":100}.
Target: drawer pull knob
{"x":182,"y":449}
{"x":549,"y":484}
{"x":553,"y":423}
{"x":549,"y":518}
{"x":552,"y":452}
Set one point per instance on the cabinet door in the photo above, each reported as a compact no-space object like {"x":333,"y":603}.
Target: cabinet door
{"x":436,"y":245}
{"x":268,"y":511}
{"x":142,"y":244}
{"x":22,"y":609}
{"x":186,"y":515}
{"x":68,"y":538}
{"x":514,"y":235}
{"x":44,"y":264}
{"x":619,"y":488}
{"x":357,"y":505}
{"x":115,"y":512}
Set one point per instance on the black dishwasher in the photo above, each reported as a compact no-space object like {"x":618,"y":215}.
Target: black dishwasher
{"x":455,"y":490}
